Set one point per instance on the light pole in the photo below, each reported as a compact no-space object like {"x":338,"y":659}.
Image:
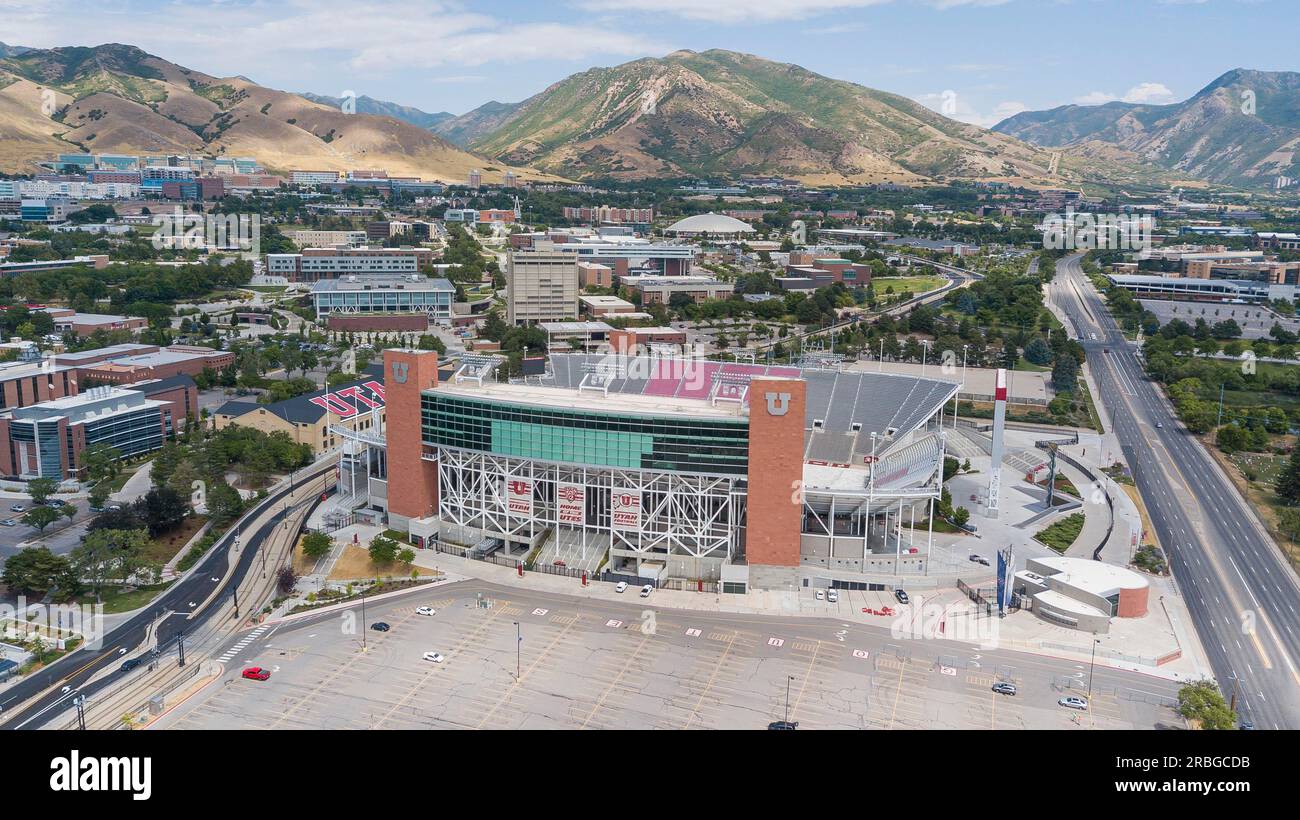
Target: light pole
{"x":1092,"y":666}
{"x":363,"y":620}
{"x":788,"y":680}
{"x":519,"y":644}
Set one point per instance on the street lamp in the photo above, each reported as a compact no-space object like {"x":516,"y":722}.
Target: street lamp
{"x":363,"y":620}
{"x":519,"y":644}
{"x":788,"y":680}
{"x":1091,"y":667}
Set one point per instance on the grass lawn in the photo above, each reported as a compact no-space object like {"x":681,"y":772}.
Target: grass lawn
{"x":119,"y":599}
{"x":1026,"y":366}
{"x":163,"y":548}
{"x":1260,"y":492}
{"x":1061,"y":535}
{"x":916,"y":284}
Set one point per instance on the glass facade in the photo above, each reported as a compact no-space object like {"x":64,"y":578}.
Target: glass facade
{"x":607,"y":439}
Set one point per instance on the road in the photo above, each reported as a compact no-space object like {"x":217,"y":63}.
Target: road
{"x":48,"y":693}
{"x":1243,"y":597}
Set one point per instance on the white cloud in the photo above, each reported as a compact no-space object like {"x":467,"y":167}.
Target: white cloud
{"x":1152,"y":93}
{"x":957,"y":106}
{"x":731,"y":11}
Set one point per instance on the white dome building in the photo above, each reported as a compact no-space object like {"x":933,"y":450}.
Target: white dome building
{"x":711,"y":224}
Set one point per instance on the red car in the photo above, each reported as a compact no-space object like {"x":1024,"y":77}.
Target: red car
{"x":257,"y":673}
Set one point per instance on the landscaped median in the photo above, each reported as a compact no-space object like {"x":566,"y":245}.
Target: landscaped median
{"x":1060,"y":535}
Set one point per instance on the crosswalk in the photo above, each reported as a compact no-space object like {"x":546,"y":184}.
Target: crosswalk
{"x":243,"y":643}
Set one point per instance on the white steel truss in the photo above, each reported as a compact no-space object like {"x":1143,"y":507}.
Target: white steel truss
{"x":680,"y":513}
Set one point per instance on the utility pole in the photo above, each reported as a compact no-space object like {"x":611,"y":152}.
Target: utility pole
{"x":180,"y":647}
{"x":363,"y":620}
{"x":235,"y":589}
{"x":788,"y":679}
{"x":80,"y":702}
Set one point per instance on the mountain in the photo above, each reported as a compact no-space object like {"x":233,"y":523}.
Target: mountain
{"x":1242,"y":129}
{"x":470,"y":126}
{"x":117,"y":98}
{"x":383,"y":108}
{"x":12,"y":51}
{"x":721,"y":113}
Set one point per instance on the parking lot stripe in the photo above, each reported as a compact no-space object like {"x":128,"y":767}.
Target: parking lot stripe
{"x":615,"y":682}
{"x":519,"y":681}
{"x":726,"y":650}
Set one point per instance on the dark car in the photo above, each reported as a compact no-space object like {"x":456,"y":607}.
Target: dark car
{"x":129,"y":664}
{"x":380,"y":626}
{"x":979,"y":559}
{"x":901,"y":595}
{"x":785,"y":725}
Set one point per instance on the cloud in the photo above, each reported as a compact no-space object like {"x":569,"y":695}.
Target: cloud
{"x":1142,"y":93}
{"x":957,"y":107}
{"x":730,"y":11}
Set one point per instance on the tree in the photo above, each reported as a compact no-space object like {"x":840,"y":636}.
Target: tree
{"x":111,"y":554}
{"x":41,"y":517}
{"x":960,"y":516}
{"x":68,"y":511}
{"x":1201,"y":701}
{"x":224,"y":503}
{"x":1038,"y":352}
{"x":406,"y":555}
{"x":40,"y":489}
{"x":36,"y":571}
{"x":162,"y":509}
{"x":383,"y":550}
{"x":1065,"y":374}
{"x":317,"y":545}
{"x":99,"y":494}
{"x":285,"y":579}
{"x":1288,"y":521}
{"x":1288,"y":481}
{"x":101,"y":461}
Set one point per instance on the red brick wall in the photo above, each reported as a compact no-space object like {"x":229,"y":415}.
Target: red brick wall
{"x":407,"y":322}
{"x":412,"y":482}
{"x":775,"y":470}
{"x":1132,"y":602}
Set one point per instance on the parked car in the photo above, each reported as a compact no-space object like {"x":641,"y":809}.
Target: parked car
{"x":646,"y":590}
{"x":621,"y":586}
{"x":129,"y":664}
{"x":425,"y":610}
{"x":380,"y":626}
{"x":784,"y":725}
{"x":434,"y":657}
{"x":821,"y":595}
{"x":901,"y":595}
{"x":17,"y":508}
{"x":1073,"y":703}
{"x":8,"y":522}
{"x":1004,"y":688}
{"x":257,"y":673}
{"x":832,"y":596}
{"x":979,"y":559}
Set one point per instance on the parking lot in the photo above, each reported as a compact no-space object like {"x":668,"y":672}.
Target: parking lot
{"x":588,"y":664}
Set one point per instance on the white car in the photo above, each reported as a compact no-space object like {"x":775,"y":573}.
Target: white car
{"x":425,"y":610}
{"x":621,"y":586}
{"x":832,"y":596}
{"x":1073,"y":703}
{"x":646,"y":590}
{"x":434,"y":656}
{"x":821,"y":595}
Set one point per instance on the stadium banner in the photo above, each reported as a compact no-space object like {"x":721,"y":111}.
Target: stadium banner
{"x":519,"y":496}
{"x":626,"y":508}
{"x":571,"y":500}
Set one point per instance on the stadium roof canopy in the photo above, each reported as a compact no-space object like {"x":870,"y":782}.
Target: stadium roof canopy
{"x":709,"y":223}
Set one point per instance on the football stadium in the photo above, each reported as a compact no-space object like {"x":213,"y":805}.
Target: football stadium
{"x":667,"y":469}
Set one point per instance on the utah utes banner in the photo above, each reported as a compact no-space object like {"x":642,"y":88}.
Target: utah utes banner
{"x":519,"y":496}
{"x":626,"y":508}
{"x":571,"y":503}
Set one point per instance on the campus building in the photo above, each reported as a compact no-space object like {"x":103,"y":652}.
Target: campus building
{"x":46,"y":440}
{"x":371,"y":295}
{"x":541,"y":285}
{"x":662,"y":468}
{"x":314,"y":264}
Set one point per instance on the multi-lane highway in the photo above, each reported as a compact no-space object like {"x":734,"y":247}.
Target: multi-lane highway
{"x":185,"y":607}
{"x":1242,"y":595}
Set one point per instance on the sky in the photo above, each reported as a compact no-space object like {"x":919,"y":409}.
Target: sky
{"x":975,"y":60}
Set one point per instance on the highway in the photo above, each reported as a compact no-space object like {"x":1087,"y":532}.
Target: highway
{"x":1243,"y":597}
{"x":185,"y":606}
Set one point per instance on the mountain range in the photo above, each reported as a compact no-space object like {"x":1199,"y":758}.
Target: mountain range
{"x":119,"y":99}
{"x":1243,"y":129}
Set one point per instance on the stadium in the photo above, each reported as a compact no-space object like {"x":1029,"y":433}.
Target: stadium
{"x":667,"y":469}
